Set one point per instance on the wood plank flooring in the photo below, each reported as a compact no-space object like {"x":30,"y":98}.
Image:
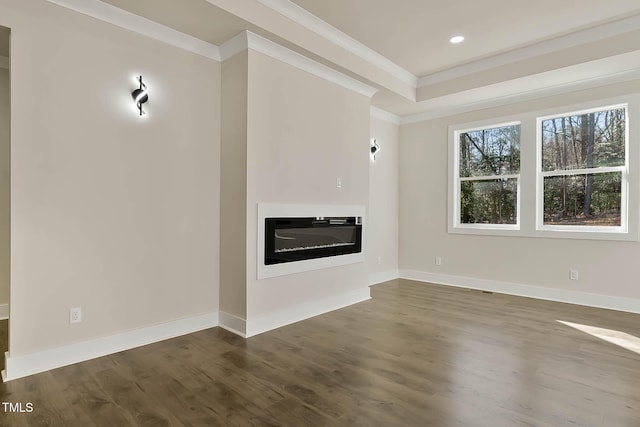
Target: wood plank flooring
{"x":414,"y":355}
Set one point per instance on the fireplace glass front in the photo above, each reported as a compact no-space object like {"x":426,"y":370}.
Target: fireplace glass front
{"x":296,"y":239}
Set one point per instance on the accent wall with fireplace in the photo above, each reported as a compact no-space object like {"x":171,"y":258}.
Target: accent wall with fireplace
{"x":166,"y":243}
{"x":287,"y":137}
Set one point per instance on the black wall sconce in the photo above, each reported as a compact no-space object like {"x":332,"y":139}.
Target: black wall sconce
{"x":375,"y":148}
{"x":140,"y":95}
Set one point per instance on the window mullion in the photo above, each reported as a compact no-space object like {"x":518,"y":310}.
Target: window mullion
{"x":489,"y":177}
{"x":588,"y":171}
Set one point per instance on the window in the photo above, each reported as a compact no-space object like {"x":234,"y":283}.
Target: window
{"x":582,"y":171}
{"x":568,"y":172}
{"x":487,"y":180}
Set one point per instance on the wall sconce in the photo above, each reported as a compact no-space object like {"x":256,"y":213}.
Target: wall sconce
{"x":140,"y":95}
{"x":375,"y":148}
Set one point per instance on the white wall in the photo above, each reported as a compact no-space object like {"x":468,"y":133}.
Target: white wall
{"x":233,"y":189}
{"x":606,"y":268}
{"x":5,"y":186}
{"x":303,"y":133}
{"x":110,"y":212}
{"x":382,"y":240}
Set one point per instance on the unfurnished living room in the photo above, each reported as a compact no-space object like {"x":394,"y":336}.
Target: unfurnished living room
{"x":323,"y":213}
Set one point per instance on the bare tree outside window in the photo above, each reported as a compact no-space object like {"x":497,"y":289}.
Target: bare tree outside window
{"x":583,"y":166}
{"x":489,"y":170}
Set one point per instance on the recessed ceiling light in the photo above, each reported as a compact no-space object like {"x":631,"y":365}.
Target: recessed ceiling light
{"x":456,"y":39}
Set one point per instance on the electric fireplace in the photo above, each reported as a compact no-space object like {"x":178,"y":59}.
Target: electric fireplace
{"x":303,"y":238}
{"x":297,"y":238}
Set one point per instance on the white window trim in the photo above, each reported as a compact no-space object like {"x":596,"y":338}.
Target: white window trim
{"x":623,"y":170}
{"x":529,"y":201}
{"x":454,"y":187}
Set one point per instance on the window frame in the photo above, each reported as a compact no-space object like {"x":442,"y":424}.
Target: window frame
{"x":455,"y":222}
{"x":623,"y":228}
{"x":529,"y":190}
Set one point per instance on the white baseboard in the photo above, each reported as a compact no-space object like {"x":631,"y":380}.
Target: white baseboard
{"x":630,"y":305}
{"x":22,"y":366}
{"x":266,"y":322}
{"x":4,"y":311}
{"x":383,"y":276}
{"x":233,"y":324}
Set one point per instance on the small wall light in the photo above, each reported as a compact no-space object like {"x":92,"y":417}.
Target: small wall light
{"x":375,"y":148}
{"x":140,"y":95}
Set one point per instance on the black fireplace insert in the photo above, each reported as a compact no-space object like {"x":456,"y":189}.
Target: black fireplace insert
{"x":296,"y":239}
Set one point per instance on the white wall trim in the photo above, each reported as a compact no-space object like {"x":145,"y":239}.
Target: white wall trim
{"x":4,"y":62}
{"x":310,"y":21}
{"x":266,"y":322}
{"x":288,"y":56}
{"x":4,"y":311}
{"x":383,"y":276}
{"x":522,"y":96}
{"x":630,"y":305}
{"x":233,"y":324}
{"x":132,"y":22}
{"x":234,"y":46}
{"x":380,"y":114}
{"x":577,"y":38}
{"x":29,"y":364}
{"x":248,"y":40}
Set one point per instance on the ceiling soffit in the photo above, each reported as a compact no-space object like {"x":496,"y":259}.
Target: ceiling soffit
{"x":282,"y":20}
{"x":414,"y":33}
{"x":521,"y":70}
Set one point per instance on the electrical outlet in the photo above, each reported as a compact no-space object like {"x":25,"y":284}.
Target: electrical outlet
{"x":573,"y":274}
{"x":75,"y":315}
{"x":438,"y":260}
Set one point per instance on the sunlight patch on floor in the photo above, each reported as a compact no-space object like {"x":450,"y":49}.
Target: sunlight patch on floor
{"x":621,"y":339}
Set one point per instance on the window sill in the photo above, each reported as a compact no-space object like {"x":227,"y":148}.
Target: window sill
{"x":548,"y":232}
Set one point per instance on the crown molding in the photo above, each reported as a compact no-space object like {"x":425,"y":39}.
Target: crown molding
{"x":577,"y":38}
{"x":288,"y":56}
{"x":437,"y":107}
{"x":308,"y":20}
{"x":248,"y":40}
{"x":380,"y":114}
{"x":132,"y":22}
{"x":234,"y":46}
{"x":4,"y":62}
{"x":438,"y":111}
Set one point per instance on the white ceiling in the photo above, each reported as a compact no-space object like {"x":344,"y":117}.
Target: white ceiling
{"x":415,"y":33}
{"x":197,"y":18}
{"x":514,"y":49}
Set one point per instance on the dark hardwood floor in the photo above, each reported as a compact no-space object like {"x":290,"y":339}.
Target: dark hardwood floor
{"x":414,"y":355}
